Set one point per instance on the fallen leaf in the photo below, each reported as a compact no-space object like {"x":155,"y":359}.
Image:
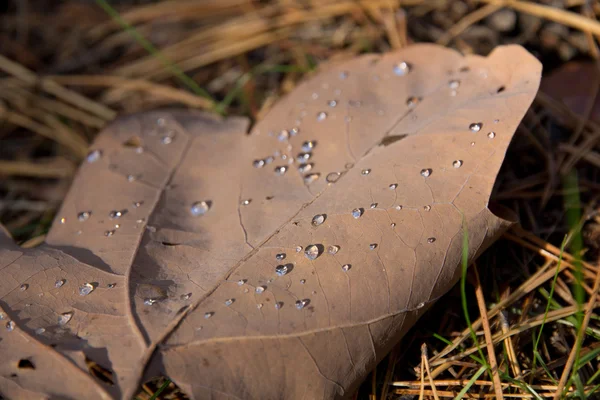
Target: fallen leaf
{"x":283,"y":263}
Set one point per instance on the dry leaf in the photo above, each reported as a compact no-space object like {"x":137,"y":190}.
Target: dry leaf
{"x":280,"y":264}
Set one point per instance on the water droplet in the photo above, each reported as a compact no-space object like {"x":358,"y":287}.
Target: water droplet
{"x":258,"y":163}
{"x":185,"y":296}
{"x":309,"y":145}
{"x":346,"y":267}
{"x":303,"y":168}
{"x":260,"y":289}
{"x":365,"y":172}
{"x":475,"y":127}
{"x":117,"y":226}
{"x":294,"y":131}
{"x":59,"y":283}
{"x":283,"y":135}
{"x":321,"y":116}
{"x":373,"y":205}
{"x":2,"y":316}
{"x":246,"y":202}
{"x":402,"y":68}
{"x":149,"y":301}
{"x":200,"y":208}
{"x":310,"y":178}
{"x":281,"y":270}
{"x":427,"y":208}
{"x":280,"y":256}
{"x":318,"y":219}
{"x":39,"y":331}
{"x":93,"y":156}
{"x":426,"y":172}
{"x":373,"y":246}
{"x":300,"y":304}
{"x":393,"y":186}
{"x":332,"y":103}
{"x":357,"y":212}
{"x":131,"y":178}
{"x":454,"y":84}
{"x":303,"y":157}
{"x":10,"y":326}
{"x":209,"y":314}
{"x":63,"y":220}
{"x":241,"y":282}
{"x":332,"y":177}
{"x":166,"y":139}
{"x":393,"y":225}
{"x":421,"y":305}
{"x":111,"y":285}
{"x":472,"y":143}
{"x":138,"y":204}
{"x":259,"y":306}
{"x":116,"y":214}
{"x":491,"y":135}
{"x":84,"y":216}
{"x":457,"y":163}
{"x":398,"y":207}
{"x":311,"y":252}
{"x":302,"y":281}
{"x":281,"y":170}
{"x":109,"y":233}
{"x":333,"y":249}
{"x":343,"y":75}
{"x":140,"y":221}
{"x":430,"y":240}
{"x":64,"y":318}
{"x":86,"y":289}
{"x":298,"y":249}
{"x":412,"y":101}
{"x":229,"y":302}
{"x":24,"y":287}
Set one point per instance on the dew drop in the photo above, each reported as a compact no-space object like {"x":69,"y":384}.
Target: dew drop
{"x":283,"y":135}
{"x":298,"y":249}
{"x":373,"y":246}
{"x":280,"y":256}
{"x":84,"y":216}
{"x":260,"y":289}
{"x":93,"y":156}
{"x":475,"y":127}
{"x":373,"y":205}
{"x":246,"y":202}
{"x":427,"y":208}
{"x":241,"y":282}
{"x":86,"y":289}
{"x":343,"y":75}
{"x":332,"y":103}
{"x":138,"y":204}
{"x":310,"y":178}
{"x":402,"y":68}
{"x":63,"y":220}
{"x":258,"y":163}
{"x":109,"y":233}
{"x":300,"y":304}
{"x":357,"y":213}
{"x":259,"y":306}
{"x":420,"y":305}
{"x":302,"y":281}
{"x":185,"y":296}
{"x":309,"y":145}
{"x":365,"y":172}
{"x":294,"y":131}
{"x":393,"y":224}
{"x":281,"y":170}
{"x":393,"y":186}
{"x":303,"y":157}
{"x":278,"y":305}
{"x":303,"y":168}
{"x":412,"y":101}
{"x":111,"y":285}
{"x":64,"y":318}
{"x":281,"y":270}
{"x":39,"y":331}
{"x":209,"y":314}
{"x":24,"y":287}
{"x":59,"y":283}
{"x":457,"y":163}
{"x":131,"y":178}
{"x":491,"y":135}
{"x":426,"y":172}
{"x":333,"y":249}
{"x":430,"y":240}
{"x":149,"y":301}
{"x":10,"y":326}
{"x":318,"y":219}
{"x":200,"y":208}
{"x":2,"y":316}
{"x":321,"y":116}
{"x":332,"y":177}
{"x":229,"y":302}
{"x":398,"y":207}
{"x":346,"y":267}
{"x":116,"y":214}
{"x":311,"y":252}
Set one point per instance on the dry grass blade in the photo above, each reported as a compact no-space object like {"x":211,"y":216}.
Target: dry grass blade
{"x":466,"y":22}
{"x":55,"y":168}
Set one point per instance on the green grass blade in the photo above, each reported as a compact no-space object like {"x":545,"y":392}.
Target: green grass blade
{"x":161,"y":389}
{"x":476,"y":376}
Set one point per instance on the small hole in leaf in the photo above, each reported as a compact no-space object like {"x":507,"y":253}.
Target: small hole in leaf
{"x":99,"y":372}
{"x":386,"y":141}
{"x":500,"y":89}
{"x":269,"y":197}
{"x":25,"y":364}
{"x":134,"y":141}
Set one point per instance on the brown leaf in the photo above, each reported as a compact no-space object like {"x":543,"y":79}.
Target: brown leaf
{"x":280,"y":264}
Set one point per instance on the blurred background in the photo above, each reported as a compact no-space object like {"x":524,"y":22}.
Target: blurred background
{"x":69,"y":67}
